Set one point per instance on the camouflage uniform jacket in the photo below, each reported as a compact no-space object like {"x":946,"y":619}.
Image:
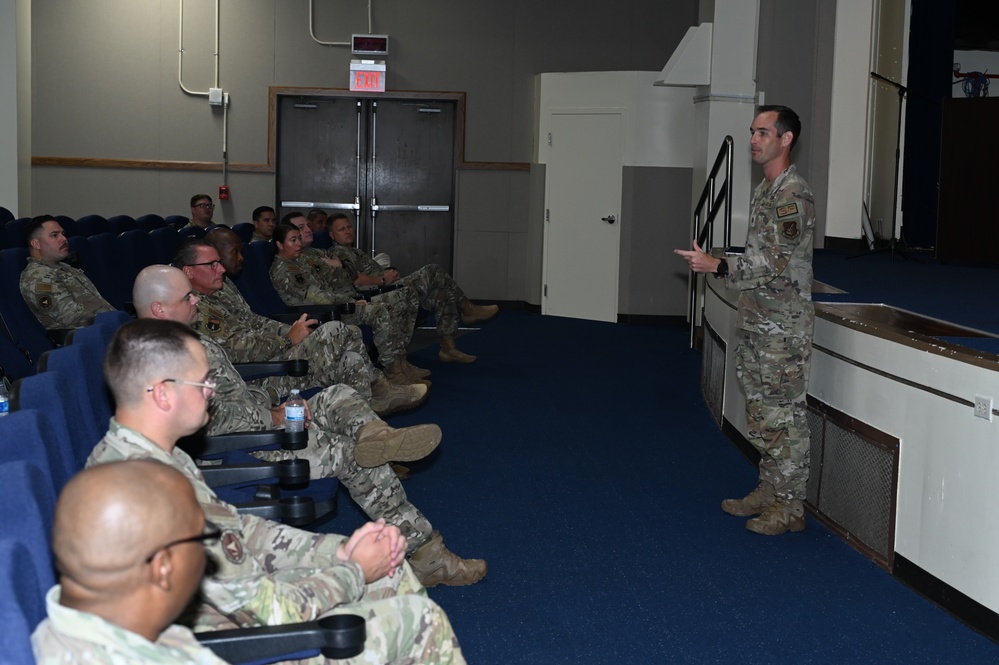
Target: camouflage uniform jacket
{"x":334,"y":279}
{"x":299,"y":283}
{"x":235,"y":406}
{"x":256,"y":237}
{"x":68,"y":635}
{"x":60,"y":295}
{"x":266,"y":573}
{"x":356,"y":261}
{"x":775,"y":272}
{"x":246,"y":336}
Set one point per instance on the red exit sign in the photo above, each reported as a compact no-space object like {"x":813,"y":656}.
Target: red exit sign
{"x":368,"y":81}
{"x":367,"y":75}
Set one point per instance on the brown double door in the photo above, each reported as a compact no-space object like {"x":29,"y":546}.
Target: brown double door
{"x":389,"y":163}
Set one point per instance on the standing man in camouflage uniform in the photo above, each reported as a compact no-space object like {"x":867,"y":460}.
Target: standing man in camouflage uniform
{"x":116,"y":604}
{"x":437,"y":291}
{"x":59,"y":295}
{"x":392,"y":316}
{"x":346,"y":439}
{"x":267,"y":573}
{"x":335,"y":351}
{"x":775,"y":323}
{"x":202,"y":209}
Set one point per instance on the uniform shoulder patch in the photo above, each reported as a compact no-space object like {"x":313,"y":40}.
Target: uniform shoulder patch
{"x":788,"y":210}
{"x":45,"y":302}
{"x":43,"y":287}
{"x":790,"y":230}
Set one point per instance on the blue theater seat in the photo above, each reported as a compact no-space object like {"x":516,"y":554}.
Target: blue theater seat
{"x":150,"y":222}
{"x":91,"y":225}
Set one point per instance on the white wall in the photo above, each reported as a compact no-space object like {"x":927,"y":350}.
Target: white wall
{"x":658,"y":119}
{"x":848,"y":123}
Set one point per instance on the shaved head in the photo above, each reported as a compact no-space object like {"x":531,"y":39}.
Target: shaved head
{"x":157,"y":283}
{"x":111,"y":517}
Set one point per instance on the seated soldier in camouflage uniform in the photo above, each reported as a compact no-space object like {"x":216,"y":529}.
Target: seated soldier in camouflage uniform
{"x":116,"y":604}
{"x":392,"y":316}
{"x":264,"y":220}
{"x":346,"y":439}
{"x":59,"y":295}
{"x":335,"y":351}
{"x":202,"y":209}
{"x":437,"y":291}
{"x":267,"y":573}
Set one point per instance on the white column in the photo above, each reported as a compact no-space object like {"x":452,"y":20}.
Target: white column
{"x":848,"y":117}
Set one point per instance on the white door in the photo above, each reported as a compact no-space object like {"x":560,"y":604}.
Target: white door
{"x":583,"y":212}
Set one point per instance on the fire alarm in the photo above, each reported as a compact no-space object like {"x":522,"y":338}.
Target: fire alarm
{"x":223,"y":192}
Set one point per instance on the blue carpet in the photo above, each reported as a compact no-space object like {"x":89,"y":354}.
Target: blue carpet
{"x":579,"y":459}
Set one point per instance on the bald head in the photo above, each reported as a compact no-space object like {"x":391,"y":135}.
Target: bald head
{"x":121,"y":540}
{"x":159,"y":289}
{"x":111,"y":517}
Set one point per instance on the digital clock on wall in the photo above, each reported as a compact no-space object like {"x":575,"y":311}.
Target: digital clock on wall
{"x":368,"y":45}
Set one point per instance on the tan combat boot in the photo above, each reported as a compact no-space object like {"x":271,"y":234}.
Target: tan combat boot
{"x":413,"y":370}
{"x":388,"y":398}
{"x":472,"y":313}
{"x":378,"y":444}
{"x":449,"y":353}
{"x":401,"y":472}
{"x":751,"y":504}
{"x":398,"y":373}
{"x":780,"y":516}
{"x":435,"y":564}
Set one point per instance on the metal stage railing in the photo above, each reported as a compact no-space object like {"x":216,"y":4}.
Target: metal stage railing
{"x":704,"y":233}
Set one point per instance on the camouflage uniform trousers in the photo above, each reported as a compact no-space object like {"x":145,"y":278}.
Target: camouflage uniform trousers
{"x":402,"y":624}
{"x":336,"y":355}
{"x":392,"y":317}
{"x":439,"y":293}
{"x":338,"y":414}
{"x":773,"y":372}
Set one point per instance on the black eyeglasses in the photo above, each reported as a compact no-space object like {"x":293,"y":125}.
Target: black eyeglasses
{"x":206,"y":206}
{"x":214,"y":534}
{"x":213,"y":265}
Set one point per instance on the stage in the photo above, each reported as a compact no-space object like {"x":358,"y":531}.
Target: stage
{"x":903,"y":465}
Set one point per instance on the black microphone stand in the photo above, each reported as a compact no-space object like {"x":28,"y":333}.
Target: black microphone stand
{"x":892,"y":243}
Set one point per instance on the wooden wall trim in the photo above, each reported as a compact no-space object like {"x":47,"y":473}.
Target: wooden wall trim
{"x":273,"y":92}
{"x":158,"y":164}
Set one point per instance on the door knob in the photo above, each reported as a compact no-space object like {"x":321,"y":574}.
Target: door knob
{"x":610,"y":219}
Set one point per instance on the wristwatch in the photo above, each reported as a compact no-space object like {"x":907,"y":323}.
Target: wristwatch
{"x":722,"y":268}
{"x":287,"y":341}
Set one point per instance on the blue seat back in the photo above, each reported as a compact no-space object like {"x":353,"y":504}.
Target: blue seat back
{"x":176,"y":221}
{"x":14,"y":230}
{"x":81,"y":365}
{"x":68,"y":225}
{"x":150,"y":222}
{"x":244,"y":230}
{"x":24,"y":328}
{"x":24,"y":580}
{"x":91,"y":225}
{"x":103,"y":265}
{"x":5,"y":215}
{"x":120,"y":223}
{"x":51,"y":394}
{"x":165,"y":242}
{"x":135,"y":252}
{"x":255,"y":281}
{"x":321,"y":239}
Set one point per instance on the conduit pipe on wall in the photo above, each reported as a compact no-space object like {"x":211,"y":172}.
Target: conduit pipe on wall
{"x":180,"y":54}
{"x":225,"y":95}
{"x":312,"y":30}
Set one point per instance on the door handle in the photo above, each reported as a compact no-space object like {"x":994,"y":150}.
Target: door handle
{"x":610,"y":219}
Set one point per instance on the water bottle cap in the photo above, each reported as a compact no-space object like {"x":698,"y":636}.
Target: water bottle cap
{"x":294,"y":391}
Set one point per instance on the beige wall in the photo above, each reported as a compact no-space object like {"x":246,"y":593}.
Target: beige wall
{"x":105,"y":86}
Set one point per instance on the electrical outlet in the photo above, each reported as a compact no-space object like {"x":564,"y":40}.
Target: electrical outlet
{"x":983,"y":407}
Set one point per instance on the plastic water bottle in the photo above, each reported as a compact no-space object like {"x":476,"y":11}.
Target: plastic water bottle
{"x":294,"y":413}
{"x":4,"y":395}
